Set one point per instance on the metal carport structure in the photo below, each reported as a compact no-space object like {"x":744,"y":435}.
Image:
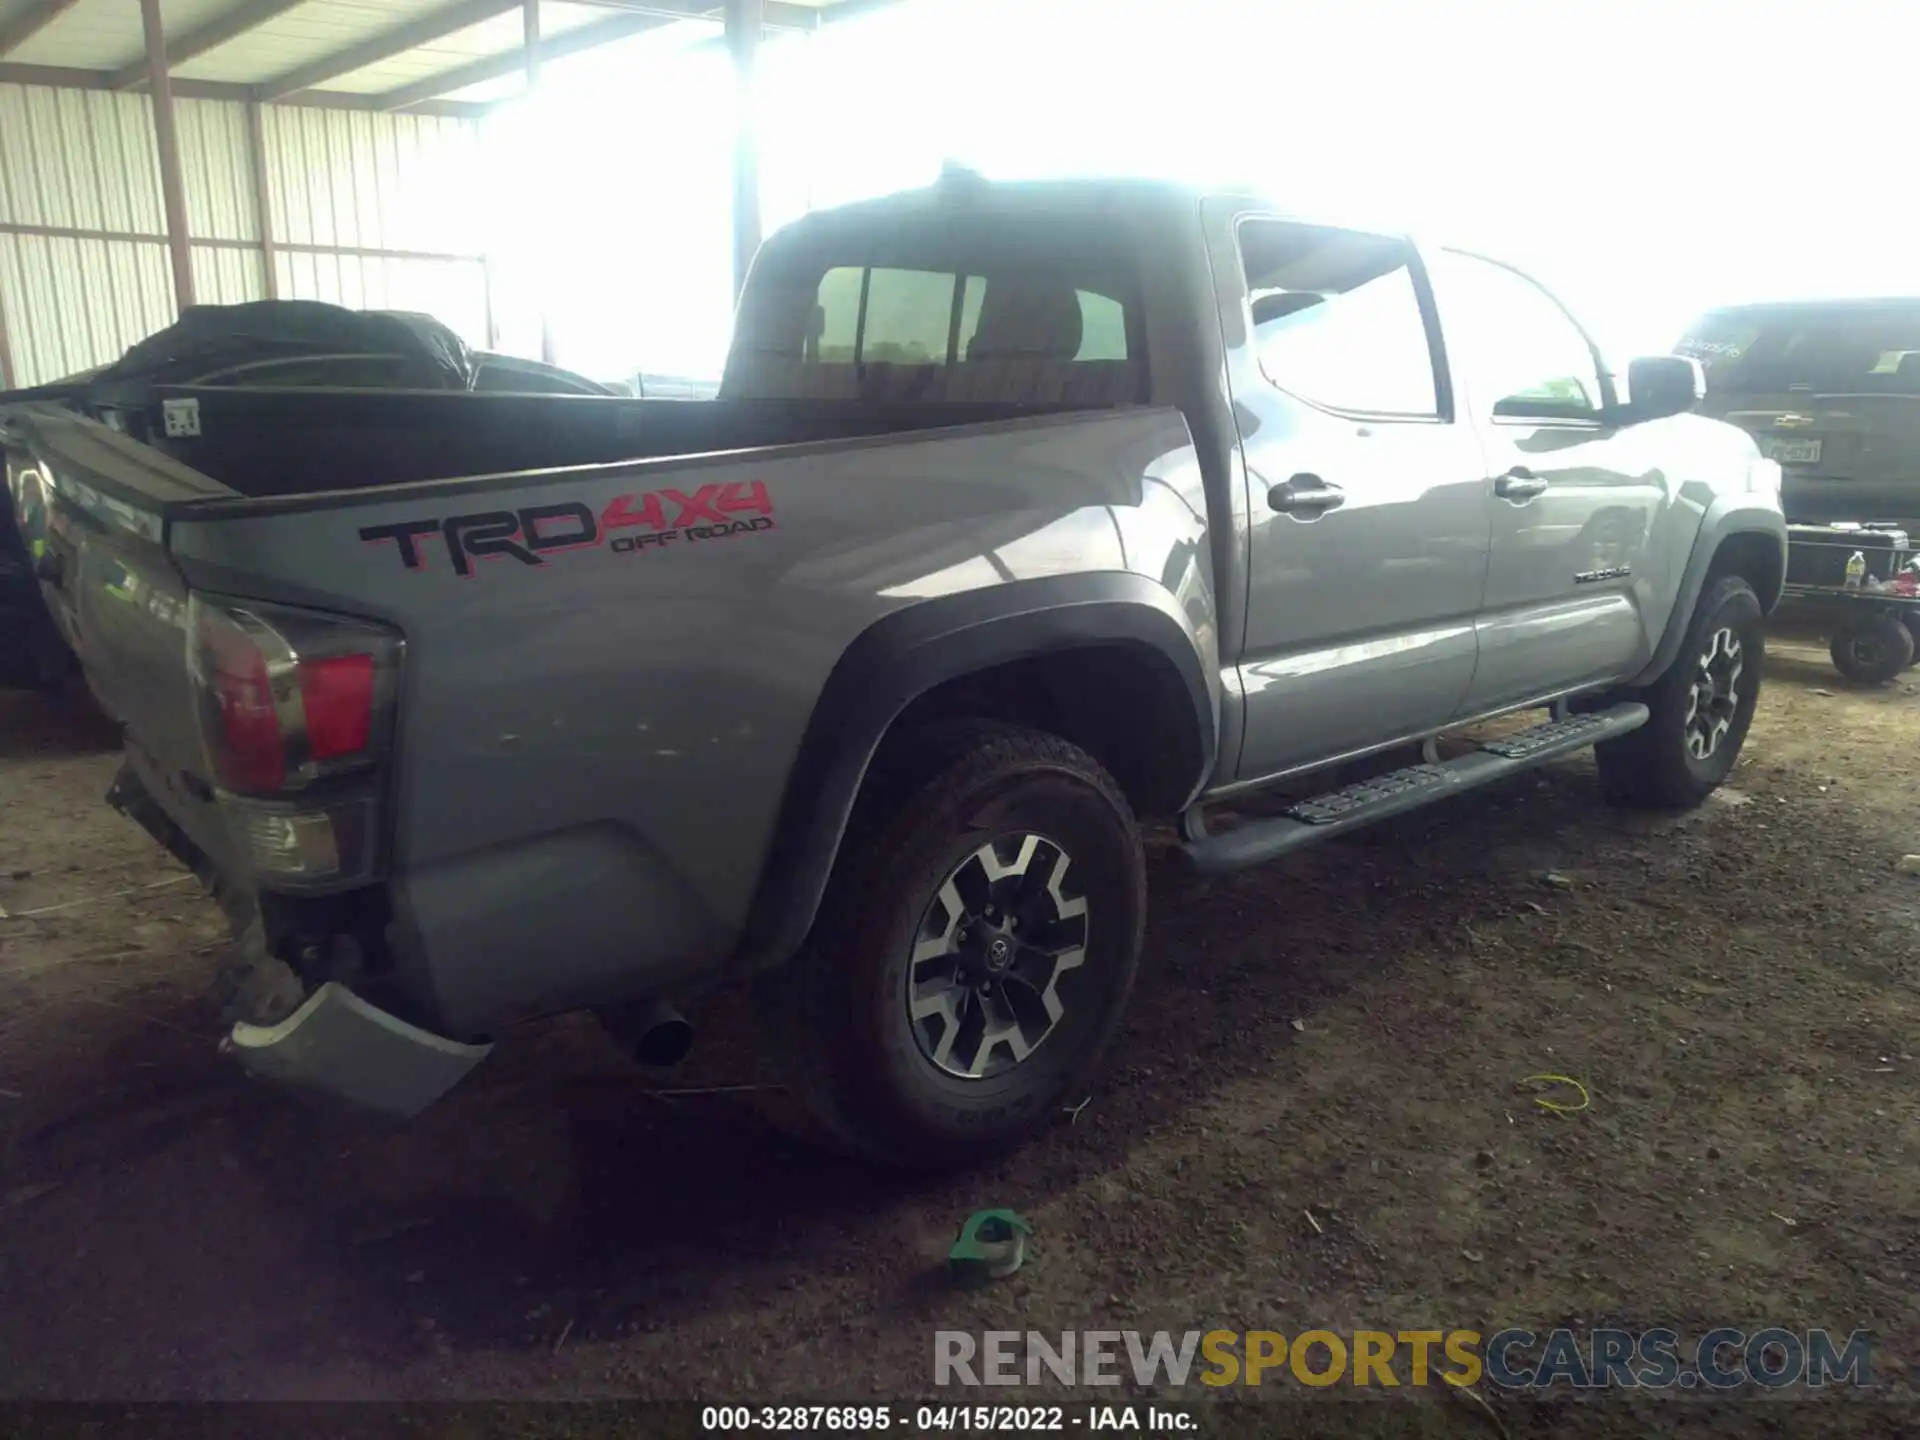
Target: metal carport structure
{"x":265,"y":88}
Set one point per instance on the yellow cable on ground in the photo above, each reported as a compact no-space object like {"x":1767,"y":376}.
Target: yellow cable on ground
{"x":1554,"y":1105}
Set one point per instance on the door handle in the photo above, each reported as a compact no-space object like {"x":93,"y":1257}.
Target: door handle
{"x":1519,"y":483}
{"x":1305,"y":495}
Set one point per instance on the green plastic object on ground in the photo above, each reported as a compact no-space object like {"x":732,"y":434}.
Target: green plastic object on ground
{"x":991,"y":1246}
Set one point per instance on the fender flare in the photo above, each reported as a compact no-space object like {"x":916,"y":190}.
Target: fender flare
{"x":907,"y":653}
{"x":1727,"y":517}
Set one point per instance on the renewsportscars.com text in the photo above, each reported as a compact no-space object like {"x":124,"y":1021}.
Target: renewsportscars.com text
{"x":1773,"y":1357}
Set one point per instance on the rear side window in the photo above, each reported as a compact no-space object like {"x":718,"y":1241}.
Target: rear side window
{"x":964,"y":312}
{"x":1337,"y":318}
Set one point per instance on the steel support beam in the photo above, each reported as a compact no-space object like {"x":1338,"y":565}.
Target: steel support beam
{"x":777,"y":14}
{"x":262,"y":194}
{"x":208,"y":242}
{"x":9,"y":379}
{"x":822,"y":17}
{"x":744,"y":18}
{"x":195,"y":43}
{"x":531,"y":45}
{"x":588,"y":37}
{"x":173,"y":192}
{"x":61,"y":77}
{"x":30,"y":22}
{"x":424,"y":31}
{"x":852,"y":10}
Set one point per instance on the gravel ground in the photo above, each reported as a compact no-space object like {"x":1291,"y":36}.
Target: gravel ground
{"x":1313,"y":1119}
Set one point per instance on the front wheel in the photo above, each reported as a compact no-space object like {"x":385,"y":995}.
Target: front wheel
{"x":976,"y":945}
{"x":1700,"y":708}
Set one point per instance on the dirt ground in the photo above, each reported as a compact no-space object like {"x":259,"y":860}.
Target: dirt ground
{"x":1342,"y":1033}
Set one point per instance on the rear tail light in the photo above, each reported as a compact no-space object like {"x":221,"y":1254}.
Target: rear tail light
{"x":337,"y":696}
{"x":244,"y":744}
{"x":296,"y":718}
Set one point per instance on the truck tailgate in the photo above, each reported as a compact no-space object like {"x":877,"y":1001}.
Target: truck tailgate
{"x":118,"y":598}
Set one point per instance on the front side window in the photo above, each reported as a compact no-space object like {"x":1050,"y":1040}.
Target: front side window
{"x":1526,"y":357}
{"x":1337,"y":318}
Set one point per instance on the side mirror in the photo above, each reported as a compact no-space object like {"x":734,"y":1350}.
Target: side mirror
{"x":1663,"y":385}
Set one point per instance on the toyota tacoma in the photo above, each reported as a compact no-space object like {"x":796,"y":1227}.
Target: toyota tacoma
{"x":1027,"y":514}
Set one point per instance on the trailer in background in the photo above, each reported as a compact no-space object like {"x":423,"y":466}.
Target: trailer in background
{"x":1869,"y":578}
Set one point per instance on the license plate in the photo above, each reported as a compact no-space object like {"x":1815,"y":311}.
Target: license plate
{"x":1794,"y":452}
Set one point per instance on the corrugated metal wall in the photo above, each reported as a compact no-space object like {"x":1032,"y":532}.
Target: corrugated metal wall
{"x":363,"y":209}
{"x":78,"y":160}
{"x":364,"y":204}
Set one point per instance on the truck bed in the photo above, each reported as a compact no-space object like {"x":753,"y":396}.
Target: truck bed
{"x":296,"y":442}
{"x":636,"y":689}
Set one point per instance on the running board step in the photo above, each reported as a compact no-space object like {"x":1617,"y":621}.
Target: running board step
{"x":1324,"y":816}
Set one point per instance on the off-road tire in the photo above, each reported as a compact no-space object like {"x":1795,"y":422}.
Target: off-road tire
{"x":1652,"y":767}
{"x":857,"y":1079}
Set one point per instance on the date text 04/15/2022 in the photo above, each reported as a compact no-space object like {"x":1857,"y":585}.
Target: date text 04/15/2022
{"x":945,"y":1419}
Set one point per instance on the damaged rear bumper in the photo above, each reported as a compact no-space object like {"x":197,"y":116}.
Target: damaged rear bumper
{"x":333,"y":1042}
{"x":338,"y":1045}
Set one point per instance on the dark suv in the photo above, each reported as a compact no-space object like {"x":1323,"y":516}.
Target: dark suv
{"x":1831,"y":390}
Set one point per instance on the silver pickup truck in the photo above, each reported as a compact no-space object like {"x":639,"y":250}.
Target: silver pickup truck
{"x":1027,"y":514}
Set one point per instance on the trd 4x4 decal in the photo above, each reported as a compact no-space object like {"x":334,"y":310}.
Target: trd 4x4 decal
{"x":629,"y":524}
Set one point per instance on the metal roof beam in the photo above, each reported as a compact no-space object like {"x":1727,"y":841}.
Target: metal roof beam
{"x":586,"y":37}
{"x":217,"y":31}
{"x":819,"y":17}
{"x":424,"y":31}
{"x":639,"y":15}
{"x":29,"y":22}
{"x":778,"y":14}
{"x":60,"y":77}
{"x":853,"y":9}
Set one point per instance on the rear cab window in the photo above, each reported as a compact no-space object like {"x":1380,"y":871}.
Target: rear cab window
{"x":1022,"y":310}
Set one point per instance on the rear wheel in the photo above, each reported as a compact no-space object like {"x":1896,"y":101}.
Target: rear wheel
{"x":977,"y":943}
{"x":1700,"y":708}
{"x":1872,"y":649}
